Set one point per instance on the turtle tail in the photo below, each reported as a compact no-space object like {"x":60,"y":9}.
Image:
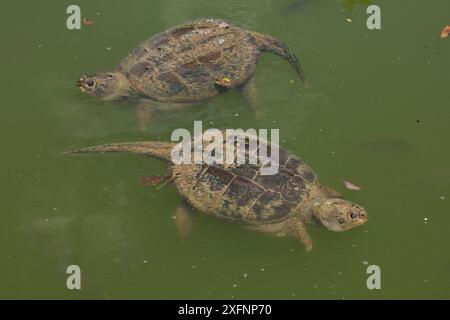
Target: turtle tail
{"x":161,"y":150}
{"x":270,"y":44}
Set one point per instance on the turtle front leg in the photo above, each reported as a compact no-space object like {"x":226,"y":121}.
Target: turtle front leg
{"x":145,"y":110}
{"x":296,"y":228}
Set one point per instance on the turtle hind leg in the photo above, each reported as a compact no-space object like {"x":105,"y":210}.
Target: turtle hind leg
{"x":183,"y":220}
{"x":249,"y":93}
{"x":160,"y":181}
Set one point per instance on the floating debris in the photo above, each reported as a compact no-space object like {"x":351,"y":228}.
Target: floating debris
{"x":442,"y":197}
{"x":348,"y":20}
{"x":445,"y":32}
{"x":351,"y":186}
{"x":87,"y":21}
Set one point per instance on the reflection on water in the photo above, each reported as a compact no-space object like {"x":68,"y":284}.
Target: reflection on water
{"x":246,"y":12}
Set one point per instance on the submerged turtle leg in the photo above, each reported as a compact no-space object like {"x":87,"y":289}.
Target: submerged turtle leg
{"x":144,"y":112}
{"x":183,"y":220}
{"x":146,"y":109}
{"x":248,"y":91}
{"x":330,"y":192}
{"x":296,"y":228}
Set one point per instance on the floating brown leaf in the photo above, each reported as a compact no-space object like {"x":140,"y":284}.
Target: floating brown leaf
{"x":445,"y":32}
{"x":351,"y":186}
{"x":87,"y":21}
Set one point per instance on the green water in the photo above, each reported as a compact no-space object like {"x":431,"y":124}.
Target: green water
{"x":376,"y":113}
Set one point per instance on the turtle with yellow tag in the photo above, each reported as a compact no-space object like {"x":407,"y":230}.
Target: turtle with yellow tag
{"x":185,"y":64}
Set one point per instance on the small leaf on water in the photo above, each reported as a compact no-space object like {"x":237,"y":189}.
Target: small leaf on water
{"x":351,"y":186}
{"x":87,"y":21}
{"x":445,"y":32}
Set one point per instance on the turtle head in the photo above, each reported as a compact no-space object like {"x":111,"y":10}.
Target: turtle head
{"x":105,"y":86}
{"x":340,"y":215}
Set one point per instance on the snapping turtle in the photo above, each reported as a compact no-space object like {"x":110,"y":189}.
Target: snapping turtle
{"x":186,"y":64}
{"x":278,"y":204}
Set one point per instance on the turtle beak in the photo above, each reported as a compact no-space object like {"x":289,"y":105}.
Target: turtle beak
{"x":86,"y":83}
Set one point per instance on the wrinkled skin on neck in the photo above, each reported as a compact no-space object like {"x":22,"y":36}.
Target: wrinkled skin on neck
{"x":105,"y":86}
{"x":334,"y":213}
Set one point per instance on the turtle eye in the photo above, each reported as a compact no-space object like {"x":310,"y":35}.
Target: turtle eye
{"x":109,"y":76}
{"x":341,"y":221}
{"x":353,"y":215}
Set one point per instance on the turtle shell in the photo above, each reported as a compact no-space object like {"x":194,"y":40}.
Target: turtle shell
{"x":240,"y":193}
{"x":185,"y":63}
